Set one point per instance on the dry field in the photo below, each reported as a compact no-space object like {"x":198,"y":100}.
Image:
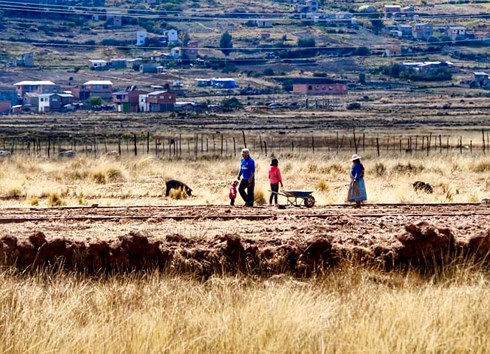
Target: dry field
{"x":353,"y":310}
{"x":95,"y":258}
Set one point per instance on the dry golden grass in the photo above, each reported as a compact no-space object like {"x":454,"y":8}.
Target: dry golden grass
{"x":350,"y":310}
{"x":108,"y":181}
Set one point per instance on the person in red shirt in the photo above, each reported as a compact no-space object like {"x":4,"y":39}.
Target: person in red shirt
{"x":233,"y":192}
{"x":275,"y":179}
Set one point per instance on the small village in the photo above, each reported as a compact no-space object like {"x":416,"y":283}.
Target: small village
{"x":178,"y":73}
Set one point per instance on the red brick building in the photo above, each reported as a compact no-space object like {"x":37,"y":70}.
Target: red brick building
{"x":127,"y":101}
{"x":39,"y":87}
{"x":98,"y":88}
{"x":161,"y":101}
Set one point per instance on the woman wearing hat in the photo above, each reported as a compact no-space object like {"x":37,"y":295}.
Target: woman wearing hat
{"x":357,"y":188}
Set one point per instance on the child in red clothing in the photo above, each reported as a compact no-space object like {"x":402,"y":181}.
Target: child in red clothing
{"x":233,"y":192}
{"x":274,"y":179}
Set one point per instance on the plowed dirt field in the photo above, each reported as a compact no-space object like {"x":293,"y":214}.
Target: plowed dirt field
{"x":206,"y":239}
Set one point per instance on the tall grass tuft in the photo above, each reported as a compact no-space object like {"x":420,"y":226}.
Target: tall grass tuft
{"x":114,"y":175}
{"x":323,"y":186}
{"x":54,"y":199}
{"x":259,"y":197}
{"x":14,"y":193}
{"x":99,"y":177}
{"x":380,"y":169}
{"x":481,"y":167}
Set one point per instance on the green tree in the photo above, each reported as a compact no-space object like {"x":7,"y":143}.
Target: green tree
{"x":269,"y":72}
{"x":306,"y":42}
{"x":362,"y":51}
{"x":231,"y":104}
{"x":95,"y":101}
{"x":226,"y":43}
{"x":309,"y":45}
{"x":362,"y":78}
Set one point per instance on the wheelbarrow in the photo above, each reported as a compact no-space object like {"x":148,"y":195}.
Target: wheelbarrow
{"x":298,"y":198}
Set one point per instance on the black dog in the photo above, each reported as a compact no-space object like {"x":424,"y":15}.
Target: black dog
{"x":422,"y":186}
{"x":174,"y":184}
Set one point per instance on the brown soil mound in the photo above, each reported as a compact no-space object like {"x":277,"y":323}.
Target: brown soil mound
{"x":421,"y":244}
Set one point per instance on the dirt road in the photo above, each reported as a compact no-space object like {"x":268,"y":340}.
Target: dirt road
{"x":217,"y":234}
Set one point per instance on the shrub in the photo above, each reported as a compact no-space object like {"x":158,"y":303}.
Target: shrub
{"x":268,"y":72}
{"x":114,"y":175}
{"x":55,"y":200}
{"x":323,"y":186}
{"x":34,"y":201}
{"x":354,"y":105}
{"x":336,"y":168}
{"x":312,"y":167}
{"x":14,"y":193}
{"x":482,"y":167}
{"x":407,"y":169}
{"x":380,"y":169}
{"x":447,"y":192}
{"x":259,"y":197}
{"x":99,"y":177}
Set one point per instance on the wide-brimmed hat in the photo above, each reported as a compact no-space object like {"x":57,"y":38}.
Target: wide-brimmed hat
{"x":355,"y":157}
{"x":245,"y":151}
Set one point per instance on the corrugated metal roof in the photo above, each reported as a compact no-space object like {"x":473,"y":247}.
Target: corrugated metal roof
{"x":25,"y":83}
{"x":98,"y":82}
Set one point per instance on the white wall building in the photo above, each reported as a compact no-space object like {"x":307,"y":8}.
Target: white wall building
{"x":172,"y":36}
{"x":143,"y":104}
{"x":141,"y":38}
{"x":44,"y":102}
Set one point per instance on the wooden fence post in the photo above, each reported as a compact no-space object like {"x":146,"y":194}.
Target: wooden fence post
{"x":135,"y":146}
{"x":244,"y":140}
{"x":147,"y":143}
{"x":483,"y":138}
{"x":49,"y":146}
{"x":355,"y":140}
{"x":337,"y":142}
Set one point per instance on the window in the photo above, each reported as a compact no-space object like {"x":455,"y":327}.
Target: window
{"x":96,"y":87}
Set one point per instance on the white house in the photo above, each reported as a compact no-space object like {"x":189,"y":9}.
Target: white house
{"x":172,"y":36}
{"x":143,"y":104}
{"x":176,"y":52}
{"x":263,"y":23}
{"x":456,"y":31}
{"x":96,"y":64}
{"x":44,"y":102}
{"x":141,"y":38}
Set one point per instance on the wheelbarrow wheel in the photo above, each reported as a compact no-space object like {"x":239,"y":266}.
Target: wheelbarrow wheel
{"x":309,"y":201}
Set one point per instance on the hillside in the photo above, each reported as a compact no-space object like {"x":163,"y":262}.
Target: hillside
{"x":269,"y":38}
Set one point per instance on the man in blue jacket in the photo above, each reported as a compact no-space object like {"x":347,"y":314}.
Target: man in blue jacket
{"x":247,"y":171}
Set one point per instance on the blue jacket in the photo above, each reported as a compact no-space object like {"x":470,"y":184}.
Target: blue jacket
{"x":357,"y":171}
{"x":247,"y":168}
